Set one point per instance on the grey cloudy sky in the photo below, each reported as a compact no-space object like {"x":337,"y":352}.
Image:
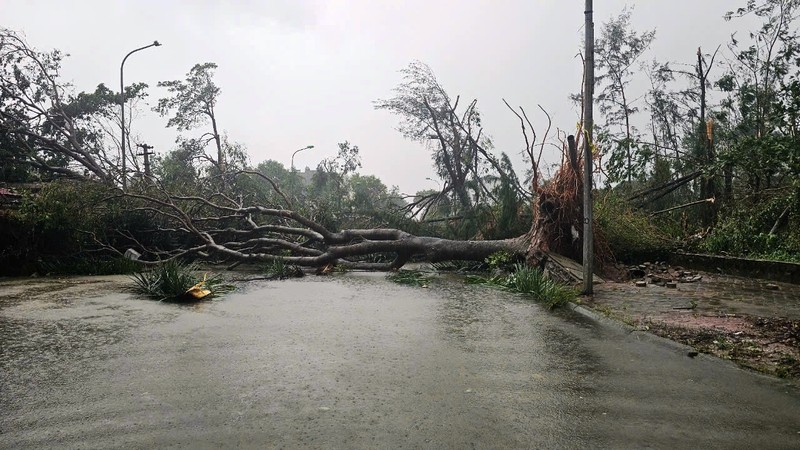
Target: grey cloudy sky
{"x":300,"y":72}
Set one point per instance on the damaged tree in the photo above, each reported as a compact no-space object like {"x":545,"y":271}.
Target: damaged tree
{"x":236,"y":232}
{"x":226,"y":226}
{"x":223,"y":228}
{"x":46,"y":130}
{"x":55,"y":132}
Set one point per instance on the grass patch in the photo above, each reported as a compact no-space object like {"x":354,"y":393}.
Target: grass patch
{"x":171,"y":281}
{"x":282,"y":270}
{"x":458,"y":266}
{"x":531,"y":282}
{"x":410,"y":278}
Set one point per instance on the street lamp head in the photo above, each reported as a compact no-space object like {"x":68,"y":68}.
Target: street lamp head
{"x":156,"y":44}
{"x":309,"y":146}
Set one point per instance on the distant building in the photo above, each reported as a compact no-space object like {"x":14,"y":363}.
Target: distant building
{"x":306,"y":176}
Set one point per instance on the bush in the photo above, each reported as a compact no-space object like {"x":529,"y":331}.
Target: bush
{"x":533,"y":283}
{"x":56,"y":229}
{"x":629,"y":233}
{"x":281,"y":270}
{"x":86,"y":265}
{"x":172,"y":279}
{"x":745,"y":231}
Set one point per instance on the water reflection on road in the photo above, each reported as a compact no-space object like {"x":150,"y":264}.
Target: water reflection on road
{"x":354,"y":361}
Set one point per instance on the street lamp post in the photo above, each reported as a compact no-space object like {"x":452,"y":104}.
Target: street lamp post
{"x":122,"y":113}
{"x":298,"y":151}
{"x":292,"y":165}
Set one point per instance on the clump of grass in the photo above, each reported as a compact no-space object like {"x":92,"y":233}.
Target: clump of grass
{"x":458,"y":266}
{"x":281,"y":270}
{"x":410,"y":277}
{"x":170,"y":281}
{"x":531,"y":282}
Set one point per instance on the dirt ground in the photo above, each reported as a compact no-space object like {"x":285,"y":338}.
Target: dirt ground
{"x":755,"y":323}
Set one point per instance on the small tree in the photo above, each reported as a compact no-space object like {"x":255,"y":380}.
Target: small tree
{"x":762,"y":105}
{"x":616,"y":53}
{"x":460,"y":149}
{"x":193,"y":104}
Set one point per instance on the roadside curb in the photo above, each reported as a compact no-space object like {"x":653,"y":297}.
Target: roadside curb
{"x":635,"y":332}
{"x":683,"y":349}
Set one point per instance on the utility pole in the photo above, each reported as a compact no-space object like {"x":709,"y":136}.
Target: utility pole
{"x":146,"y":154}
{"x":588,"y":123}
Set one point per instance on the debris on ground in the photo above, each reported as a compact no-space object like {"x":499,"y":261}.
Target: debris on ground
{"x":661,"y":274}
{"x":768,"y":345}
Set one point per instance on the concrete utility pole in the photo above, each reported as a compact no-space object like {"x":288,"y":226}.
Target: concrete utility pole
{"x":146,"y":154}
{"x":122,"y":112}
{"x":588,"y":123}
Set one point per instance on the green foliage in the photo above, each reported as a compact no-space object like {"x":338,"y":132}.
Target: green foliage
{"x":510,"y":215}
{"x":46,"y":130}
{"x":410,"y":277}
{"x":170,"y":281}
{"x":281,"y":270}
{"x":460,"y":266}
{"x":617,"y":50}
{"x":57,"y":229}
{"x":531,"y":282}
{"x":452,"y":131}
{"x":192,"y":101}
{"x":178,"y":170}
{"x":745,"y":231}
{"x":501,"y":260}
{"x":192,"y":104}
{"x":629,"y":233}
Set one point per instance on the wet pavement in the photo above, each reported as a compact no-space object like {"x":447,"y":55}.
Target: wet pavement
{"x":713,"y":295}
{"x":755,"y":323}
{"x":354,"y":361}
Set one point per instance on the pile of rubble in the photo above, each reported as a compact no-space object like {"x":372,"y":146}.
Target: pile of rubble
{"x":661,"y":274}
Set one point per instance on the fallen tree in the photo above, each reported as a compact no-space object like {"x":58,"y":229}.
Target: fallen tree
{"x":45,"y":129}
{"x":223,"y":228}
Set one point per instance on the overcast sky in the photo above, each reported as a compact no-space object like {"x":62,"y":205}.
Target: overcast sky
{"x":306,"y":72}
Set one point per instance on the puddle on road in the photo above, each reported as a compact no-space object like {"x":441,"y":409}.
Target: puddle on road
{"x":358,"y":321}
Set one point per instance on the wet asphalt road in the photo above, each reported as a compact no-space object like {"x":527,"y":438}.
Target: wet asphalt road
{"x":357,"y":362}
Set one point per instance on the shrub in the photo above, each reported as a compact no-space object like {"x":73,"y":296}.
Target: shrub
{"x":86,"y":265}
{"x":460,"y":266}
{"x":281,"y":270}
{"x":56,"y":229}
{"x":533,"y":283}
{"x":502,"y":261}
{"x":745,"y":231}
{"x":172,"y":279}
{"x":629,"y":233}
